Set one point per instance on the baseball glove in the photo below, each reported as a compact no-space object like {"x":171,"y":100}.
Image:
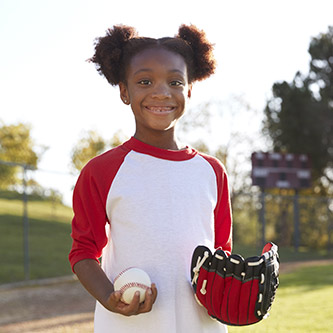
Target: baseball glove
{"x":233,"y":290}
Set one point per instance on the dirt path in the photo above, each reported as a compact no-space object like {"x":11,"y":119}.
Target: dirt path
{"x":62,"y":305}
{"x":291,"y":266}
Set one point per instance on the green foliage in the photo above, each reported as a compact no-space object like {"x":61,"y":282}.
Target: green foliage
{"x":295,"y":120}
{"x":201,"y":146}
{"x":245,"y":220}
{"x":315,"y":220}
{"x":321,"y":65}
{"x":16,"y":146}
{"x":90,"y":145}
{"x":299,"y":117}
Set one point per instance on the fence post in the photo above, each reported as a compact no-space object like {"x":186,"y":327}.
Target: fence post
{"x":25,"y":226}
{"x":262,"y":217}
{"x":329,"y":225}
{"x":296,"y":221}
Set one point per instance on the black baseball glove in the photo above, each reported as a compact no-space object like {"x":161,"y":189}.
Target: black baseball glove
{"x":233,"y":290}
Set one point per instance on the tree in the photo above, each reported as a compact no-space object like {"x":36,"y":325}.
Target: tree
{"x":16,"y":145}
{"x":321,"y":66}
{"x":299,"y":116}
{"x":321,"y":77}
{"x":90,"y":145}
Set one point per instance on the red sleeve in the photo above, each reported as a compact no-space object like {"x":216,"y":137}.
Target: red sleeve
{"x":222,"y":212}
{"x":89,"y":205}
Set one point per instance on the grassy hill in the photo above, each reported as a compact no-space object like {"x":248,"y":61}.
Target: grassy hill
{"x":49,"y":239}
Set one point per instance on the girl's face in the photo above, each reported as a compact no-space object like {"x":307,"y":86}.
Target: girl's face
{"x":157,"y":89}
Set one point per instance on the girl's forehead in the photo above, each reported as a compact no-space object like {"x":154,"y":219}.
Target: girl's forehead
{"x":158,"y":56}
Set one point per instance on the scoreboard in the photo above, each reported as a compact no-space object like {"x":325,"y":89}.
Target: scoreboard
{"x":279,"y":170}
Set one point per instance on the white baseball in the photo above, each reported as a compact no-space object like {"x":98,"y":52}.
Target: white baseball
{"x":131,"y":280}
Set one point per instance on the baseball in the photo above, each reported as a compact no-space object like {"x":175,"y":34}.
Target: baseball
{"x":131,"y":280}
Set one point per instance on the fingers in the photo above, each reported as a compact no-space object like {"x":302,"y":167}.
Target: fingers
{"x":116,"y":305}
{"x":135,"y":307}
{"x":150,"y":298}
{"x":114,"y":298}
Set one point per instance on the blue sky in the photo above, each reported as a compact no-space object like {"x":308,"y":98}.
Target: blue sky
{"x":46,"y":82}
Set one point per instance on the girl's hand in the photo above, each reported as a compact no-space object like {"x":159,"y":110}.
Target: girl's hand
{"x":114,"y":304}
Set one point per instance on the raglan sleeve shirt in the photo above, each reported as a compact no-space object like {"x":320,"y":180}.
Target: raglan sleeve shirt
{"x":89,"y":205}
{"x":138,"y":205}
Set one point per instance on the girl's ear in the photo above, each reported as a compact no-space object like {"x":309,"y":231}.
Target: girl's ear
{"x":124,"y":93}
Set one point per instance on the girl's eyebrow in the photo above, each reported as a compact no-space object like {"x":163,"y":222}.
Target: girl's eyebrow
{"x":177,"y":71}
{"x":150,"y":70}
{"x":143,"y":70}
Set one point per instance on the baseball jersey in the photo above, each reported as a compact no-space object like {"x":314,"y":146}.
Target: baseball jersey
{"x":139,"y":205}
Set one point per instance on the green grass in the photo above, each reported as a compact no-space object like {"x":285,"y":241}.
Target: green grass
{"x":49,"y":240}
{"x":303,"y":303}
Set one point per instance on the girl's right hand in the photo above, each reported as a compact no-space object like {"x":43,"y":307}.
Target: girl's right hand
{"x":114,"y":303}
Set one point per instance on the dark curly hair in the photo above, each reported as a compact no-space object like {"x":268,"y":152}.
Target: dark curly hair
{"x":114,"y":51}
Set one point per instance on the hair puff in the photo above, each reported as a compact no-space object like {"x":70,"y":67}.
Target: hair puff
{"x":109,"y":51}
{"x":203,"y":57}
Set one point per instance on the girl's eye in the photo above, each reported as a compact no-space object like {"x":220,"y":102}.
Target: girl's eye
{"x":144,"y":82}
{"x":176,"y":83}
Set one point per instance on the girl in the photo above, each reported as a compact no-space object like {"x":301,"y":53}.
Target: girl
{"x":149,"y":202}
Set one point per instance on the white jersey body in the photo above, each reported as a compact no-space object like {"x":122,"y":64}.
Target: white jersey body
{"x":159,"y":211}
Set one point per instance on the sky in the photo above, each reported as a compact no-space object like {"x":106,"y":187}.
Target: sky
{"x":46,"y":82}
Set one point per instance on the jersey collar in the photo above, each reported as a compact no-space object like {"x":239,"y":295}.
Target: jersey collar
{"x":167,"y":154}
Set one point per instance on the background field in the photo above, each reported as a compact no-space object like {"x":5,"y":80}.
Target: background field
{"x":50,"y":242}
{"x":303,"y":302}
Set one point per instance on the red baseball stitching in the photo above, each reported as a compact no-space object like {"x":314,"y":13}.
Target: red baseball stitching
{"x":121,"y":273}
{"x":133,"y":284}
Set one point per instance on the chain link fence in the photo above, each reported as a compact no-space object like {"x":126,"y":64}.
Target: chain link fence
{"x":35,"y":217}
{"x":35,"y":224}
{"x":294,"y":221}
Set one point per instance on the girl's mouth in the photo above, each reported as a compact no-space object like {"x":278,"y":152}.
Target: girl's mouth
{"x":160,"y":109}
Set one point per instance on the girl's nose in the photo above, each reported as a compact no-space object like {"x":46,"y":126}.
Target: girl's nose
{"x":161,"y":91}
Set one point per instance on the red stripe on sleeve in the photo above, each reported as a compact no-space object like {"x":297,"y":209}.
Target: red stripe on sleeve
{"x":222,"y":212}
{"x":89,"y":205}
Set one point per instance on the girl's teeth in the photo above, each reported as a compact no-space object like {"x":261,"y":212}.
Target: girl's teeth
{"x":160,"y":109}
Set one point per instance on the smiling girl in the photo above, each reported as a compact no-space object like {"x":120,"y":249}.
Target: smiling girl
{"x":149,"y":202}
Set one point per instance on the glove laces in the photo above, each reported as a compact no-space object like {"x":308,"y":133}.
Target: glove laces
{"x":197,"y":267}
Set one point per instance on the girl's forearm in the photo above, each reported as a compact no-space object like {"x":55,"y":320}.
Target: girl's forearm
{"x":99,"y":286}
{"x":94,"y":279}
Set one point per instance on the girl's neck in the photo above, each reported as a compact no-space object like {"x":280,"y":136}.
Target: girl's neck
{"x":160,"y":140}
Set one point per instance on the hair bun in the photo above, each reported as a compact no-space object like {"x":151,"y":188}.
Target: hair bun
{"x":203,"y":57}
{"x":109,"y":49}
